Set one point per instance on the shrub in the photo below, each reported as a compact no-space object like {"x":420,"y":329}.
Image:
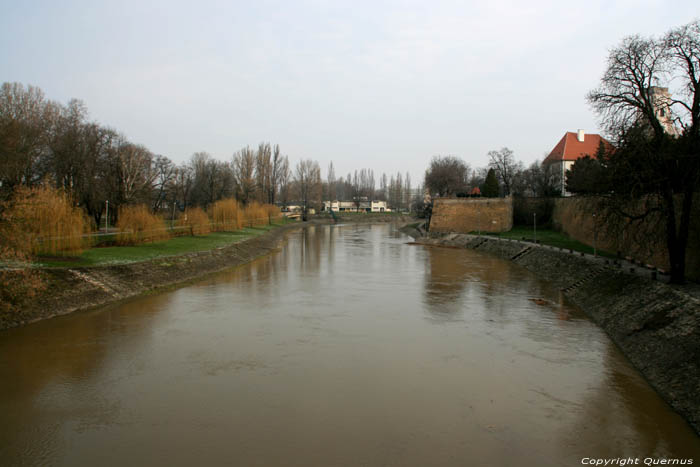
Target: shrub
{"x":226,"y":215}
{"x":137,"y":225}
{"x":43,"y":220}
{"x":196,"y":220}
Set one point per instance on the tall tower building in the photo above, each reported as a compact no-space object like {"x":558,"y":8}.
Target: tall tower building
{"x":661,"y":100}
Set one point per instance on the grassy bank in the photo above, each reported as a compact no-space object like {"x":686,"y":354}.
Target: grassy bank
{"x":175,"y":246}
{"x":549,"y":237}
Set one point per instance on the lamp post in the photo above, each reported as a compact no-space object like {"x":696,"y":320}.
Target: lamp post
{"x":595,"y":236}
{"x":478,"y":221}
{"x":534,"y":225}
{"x":107,"y":216}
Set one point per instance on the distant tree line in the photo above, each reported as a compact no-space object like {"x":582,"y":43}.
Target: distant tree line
{"x":46,"y":142}
{"x":450,"y":176}
{"x":42,"y":141}
{"x":361,"y":185}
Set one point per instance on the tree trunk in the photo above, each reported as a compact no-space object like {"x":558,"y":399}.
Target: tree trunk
{"x":677,"y":236}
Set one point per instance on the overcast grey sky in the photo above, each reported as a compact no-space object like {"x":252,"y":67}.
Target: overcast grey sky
{"x":377,"y":84}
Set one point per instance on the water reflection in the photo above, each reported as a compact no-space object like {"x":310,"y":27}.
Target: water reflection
{"x":346,"y":347}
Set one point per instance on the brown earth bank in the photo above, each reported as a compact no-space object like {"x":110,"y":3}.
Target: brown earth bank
{"x":73,"y":289}
{"x":656,"y":325}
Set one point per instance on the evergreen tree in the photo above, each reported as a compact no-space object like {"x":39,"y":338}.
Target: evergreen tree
{"x":490,"y":188}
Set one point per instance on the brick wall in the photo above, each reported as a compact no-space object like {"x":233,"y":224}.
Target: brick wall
{"x":463,"y":215}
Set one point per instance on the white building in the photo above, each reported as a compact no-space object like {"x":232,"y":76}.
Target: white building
{"x":352,"y":206}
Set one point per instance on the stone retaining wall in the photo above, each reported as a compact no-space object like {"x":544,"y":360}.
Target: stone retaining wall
{"x":466,"y":215}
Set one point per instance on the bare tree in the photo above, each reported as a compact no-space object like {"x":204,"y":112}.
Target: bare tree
{"x":383,"y":188}
{"x":183,"y":182}
{"x":164,"y":170}
{"x":263,"y":172}
{"x":655,"y":168}
{"x":284,"y":182}
{"x":25,"y":118}
{"x":278,"y":167}
{"x":332,"y":195}
{"x":407,"y":192}
{"x":537,"y":180}
{"x":446,"y":176}
{"x":308,"y":180}
{"x":133,"y":170}
{"x":506,"y":167}
{"x":396,"y":192}
{"x":244,"y":170}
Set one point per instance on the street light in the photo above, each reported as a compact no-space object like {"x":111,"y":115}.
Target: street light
{"x":107,"y":216}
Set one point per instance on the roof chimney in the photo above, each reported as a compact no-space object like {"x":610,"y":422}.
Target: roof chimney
{"x":581,"y":135}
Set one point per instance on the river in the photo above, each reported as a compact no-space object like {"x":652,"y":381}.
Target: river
{"x":349,"y":346}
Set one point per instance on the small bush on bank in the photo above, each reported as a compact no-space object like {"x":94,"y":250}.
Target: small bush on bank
{"x":43,"y":220}
{"x":137,"y":225}
{"x":196,"y":221}
{"x":226,"y":215}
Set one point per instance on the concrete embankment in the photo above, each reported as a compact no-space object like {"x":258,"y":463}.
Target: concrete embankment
{"x":73,"y":289}
{"x":657,"y":326}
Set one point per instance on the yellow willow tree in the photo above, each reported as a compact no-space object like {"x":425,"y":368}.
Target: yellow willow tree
{"x":137,"y":225}
{"x":196,"y":221}
{"x":255,"y":213}
{"x":43,"y":220}
{"x":226,"y":215}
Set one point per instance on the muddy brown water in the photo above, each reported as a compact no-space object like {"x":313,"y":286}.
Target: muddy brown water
{"x":346,"y":347}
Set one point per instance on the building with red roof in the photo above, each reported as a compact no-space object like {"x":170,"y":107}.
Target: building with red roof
{"x":569,"y":149}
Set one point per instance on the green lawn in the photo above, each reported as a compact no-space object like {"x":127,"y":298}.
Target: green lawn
{"x":175,"y":246}
{"x":549,"y":237}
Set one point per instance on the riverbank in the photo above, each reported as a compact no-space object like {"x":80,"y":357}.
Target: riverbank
{"x":657,"y":326}
{"x":70,"y":289}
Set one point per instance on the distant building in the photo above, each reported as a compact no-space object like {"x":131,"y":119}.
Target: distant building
{"x":352,"y":206}
{"x":571,"y":147}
